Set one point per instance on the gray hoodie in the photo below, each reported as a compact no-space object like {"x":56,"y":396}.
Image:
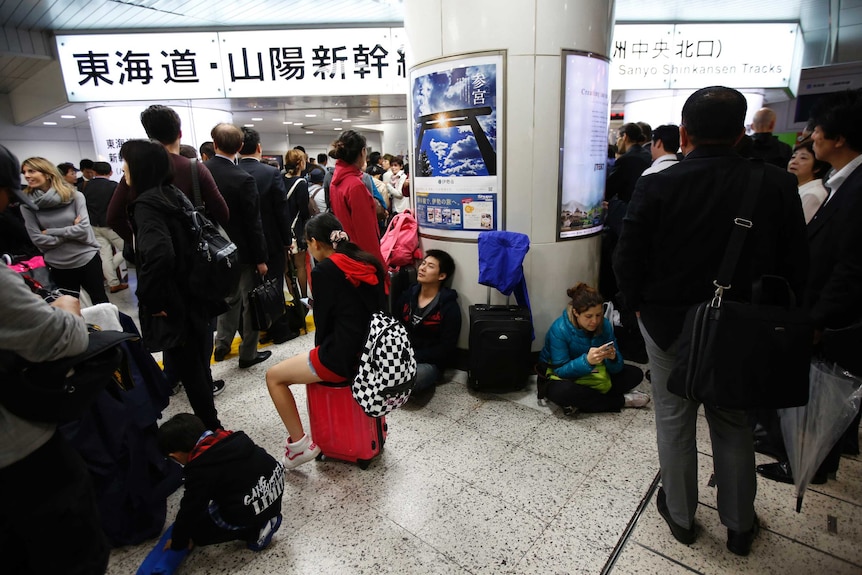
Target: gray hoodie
{"x":66,"y":245}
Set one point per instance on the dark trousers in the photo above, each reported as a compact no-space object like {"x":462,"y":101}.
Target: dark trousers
{"x":568,"y":393}
{"x":204,"y":530}
{"x":87,"y":277}
{"x":49,"y":522}
{"x":191,"y":364}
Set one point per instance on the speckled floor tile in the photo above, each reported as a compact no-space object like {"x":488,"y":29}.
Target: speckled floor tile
{"x":572,"y":444}
{"x":558,"y":552}
{"x":482,"y":533}
{"x":511,"y":422}
{"x":598,"y":513}
{"x":638,"y":560}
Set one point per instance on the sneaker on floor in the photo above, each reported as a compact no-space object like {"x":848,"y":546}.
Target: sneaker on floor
{"x":297,"y":453}
{"x":218,"y":386}
{"x":636,"y":399}
{"x":265,"y":536}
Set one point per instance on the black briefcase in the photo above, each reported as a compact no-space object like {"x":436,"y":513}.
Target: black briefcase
{"x":266,"y":303}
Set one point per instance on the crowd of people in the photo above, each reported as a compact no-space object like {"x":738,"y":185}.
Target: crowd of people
{"x":326,"y":223}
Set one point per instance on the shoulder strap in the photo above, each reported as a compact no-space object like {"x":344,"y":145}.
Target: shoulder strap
{"x":196,"y":185}
{"x":742,"y":223}
{"x":293,"y":187}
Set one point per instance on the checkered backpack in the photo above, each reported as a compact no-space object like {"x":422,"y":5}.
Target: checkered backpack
{"x":387,"y":368}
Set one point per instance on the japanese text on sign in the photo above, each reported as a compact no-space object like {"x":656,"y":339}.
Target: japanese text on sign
{"x":236,"y":64}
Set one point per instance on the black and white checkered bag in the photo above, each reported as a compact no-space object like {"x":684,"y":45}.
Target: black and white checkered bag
{"x":387,"y":368}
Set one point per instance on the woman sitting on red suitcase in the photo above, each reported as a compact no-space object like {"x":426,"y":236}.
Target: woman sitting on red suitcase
{"x":348,"y":288}
{"x":579,"y":366}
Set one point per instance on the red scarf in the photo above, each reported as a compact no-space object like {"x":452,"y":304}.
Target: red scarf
{"x":208,"y":441}
{"x":356,"y":272}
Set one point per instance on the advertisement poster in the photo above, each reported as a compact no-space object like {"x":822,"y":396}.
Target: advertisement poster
{"x":457,"y":162}
{"x":586,"y":109}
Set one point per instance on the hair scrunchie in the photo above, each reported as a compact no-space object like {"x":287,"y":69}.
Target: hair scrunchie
{"x":338,"y":236}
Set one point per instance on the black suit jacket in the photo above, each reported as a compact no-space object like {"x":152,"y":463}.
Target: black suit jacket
{"x":835,"y":242}
{"x":243,"y":201}
{"x":98,"y":194}
{"x":625,"y":173}
{"x":273,"y":207}
{"x":677,"y":227}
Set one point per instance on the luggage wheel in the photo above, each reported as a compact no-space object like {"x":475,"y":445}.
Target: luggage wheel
{"x":363,"y":463}
{"x":320,"y":457}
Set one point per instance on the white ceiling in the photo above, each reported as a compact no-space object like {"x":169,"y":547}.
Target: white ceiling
{"x":832,"y":31}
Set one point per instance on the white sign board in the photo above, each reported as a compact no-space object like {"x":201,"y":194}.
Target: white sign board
{"x":263,"y":63}
{"x":692,"y":56}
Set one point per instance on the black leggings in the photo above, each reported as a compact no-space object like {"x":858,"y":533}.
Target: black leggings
{"x":88,"y":277}
{"x":568,"y":393}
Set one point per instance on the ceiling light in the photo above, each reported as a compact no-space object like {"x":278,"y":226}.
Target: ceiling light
{"x":297,"y":123}
{"x":337,"y":129}
{"x":311,"y":115}
{"x":257,"y":119}
{"x":49,"y":123}
{"x":346,"y":121}
{"x":336,"y":119}
{"x":248,"y":125}
{"x":309,"y":132}
{"x":68,"y":117}
{"x":287,"y":123}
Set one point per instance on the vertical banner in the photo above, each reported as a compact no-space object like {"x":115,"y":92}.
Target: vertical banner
{"x":584,"y":150}
{"x":457,"y":135}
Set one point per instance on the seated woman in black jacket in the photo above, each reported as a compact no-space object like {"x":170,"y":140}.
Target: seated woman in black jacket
{"x":432,"y":316}
{"x":348,"y":288}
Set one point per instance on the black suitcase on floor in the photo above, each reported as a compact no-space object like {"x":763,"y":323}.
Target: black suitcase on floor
{"x":500,"y":339}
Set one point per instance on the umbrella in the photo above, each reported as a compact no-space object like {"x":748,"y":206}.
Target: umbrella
{"x":811,"y":430}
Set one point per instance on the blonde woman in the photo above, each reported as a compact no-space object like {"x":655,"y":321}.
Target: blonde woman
{"x":297,"y":209}
{"x":61,"y":230}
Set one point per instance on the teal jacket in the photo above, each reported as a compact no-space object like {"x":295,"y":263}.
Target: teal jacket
{"x":566,"y":347}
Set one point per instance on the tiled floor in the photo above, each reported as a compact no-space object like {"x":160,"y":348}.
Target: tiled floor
{"x":474,"y":483}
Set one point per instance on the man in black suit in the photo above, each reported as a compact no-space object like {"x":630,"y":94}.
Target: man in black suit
{"x":834,"y":291}
{"x":766,"y":146}
{"x":274,"y":219}
{"x":245,"y":230}
{"x":674,"y":237}
{"x":98,"y":193}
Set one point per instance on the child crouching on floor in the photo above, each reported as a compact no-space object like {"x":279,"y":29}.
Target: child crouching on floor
{"x":233,"y":488}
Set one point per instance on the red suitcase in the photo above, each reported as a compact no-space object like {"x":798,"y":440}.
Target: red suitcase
{"x":340,"y":427}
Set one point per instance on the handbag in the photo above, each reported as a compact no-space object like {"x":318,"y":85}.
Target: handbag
{"x":745,"y":355}
{"x":62,"y":389}
{"x":266,"y":303}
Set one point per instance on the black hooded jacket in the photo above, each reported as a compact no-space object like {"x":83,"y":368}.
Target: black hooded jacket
{"x":241,"y":478}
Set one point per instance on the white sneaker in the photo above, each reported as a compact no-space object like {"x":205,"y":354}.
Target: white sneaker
{"x":636,"y":399}
{"x":299,"y":452}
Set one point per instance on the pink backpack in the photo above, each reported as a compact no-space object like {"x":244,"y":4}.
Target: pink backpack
{"x":400,"y":244}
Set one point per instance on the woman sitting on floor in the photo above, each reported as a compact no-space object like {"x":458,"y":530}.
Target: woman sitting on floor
{"x":580,"y":367}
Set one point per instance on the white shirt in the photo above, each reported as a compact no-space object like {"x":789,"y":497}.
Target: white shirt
{"x":394,"y":187}
{"x":812,"y":195}
{"x":661,"y":163}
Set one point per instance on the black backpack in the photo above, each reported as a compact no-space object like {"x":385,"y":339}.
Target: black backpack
{"x":214,"y":268}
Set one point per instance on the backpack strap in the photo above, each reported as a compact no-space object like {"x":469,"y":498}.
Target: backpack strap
{"x":196,"y":185}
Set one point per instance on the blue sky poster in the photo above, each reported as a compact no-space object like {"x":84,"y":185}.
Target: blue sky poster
{"x":455,"y":121}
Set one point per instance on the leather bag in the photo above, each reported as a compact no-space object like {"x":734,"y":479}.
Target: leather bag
{"x":266,"y":303}
{"x":745,"y":355}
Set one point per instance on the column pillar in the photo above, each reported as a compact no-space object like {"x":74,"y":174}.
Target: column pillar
{"x":533,"y":33}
